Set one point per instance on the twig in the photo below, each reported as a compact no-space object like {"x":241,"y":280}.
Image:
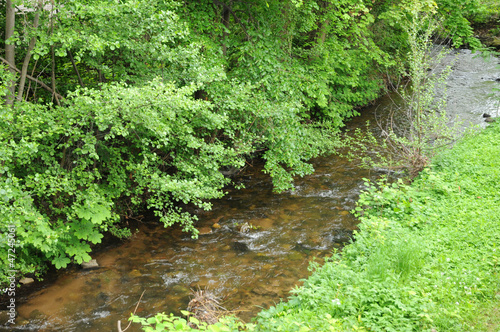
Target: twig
{"x":76,"y":69}
{"x":119,"y":324}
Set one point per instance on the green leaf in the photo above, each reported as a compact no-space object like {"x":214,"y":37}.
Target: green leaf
{"x":95,"y":237}
{"x":93,"y":211}
{"x":61,"y":262}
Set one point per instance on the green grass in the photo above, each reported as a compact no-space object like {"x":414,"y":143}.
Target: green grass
{"x":427,"y":257}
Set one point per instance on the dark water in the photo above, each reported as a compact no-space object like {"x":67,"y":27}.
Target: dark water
{"x":261,"y":250}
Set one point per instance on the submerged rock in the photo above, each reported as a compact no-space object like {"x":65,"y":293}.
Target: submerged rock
{"x":92,"y":264}
{"x":102,"y":298}
{"x":204,"y":230}
{"x":37,"y":315}
{"x":4,"y":317}
{"x":240,"y":246}
{"x":303,"y":248}
{"x":340,"y":237}
{"x":26,"y":281}
{"x":135,"y":273}
{"x":295,"y":256}
{"x":265,"y":291}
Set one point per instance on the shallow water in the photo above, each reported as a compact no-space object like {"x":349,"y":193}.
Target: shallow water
{"x":253,"y":269}
{"x":470,"y":87}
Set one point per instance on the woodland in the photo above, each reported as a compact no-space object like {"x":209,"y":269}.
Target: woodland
{"x":113,"y":107}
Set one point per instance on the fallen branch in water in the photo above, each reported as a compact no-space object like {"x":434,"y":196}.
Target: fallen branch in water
{"x":119,"y":323}
{"x":205,"y":306}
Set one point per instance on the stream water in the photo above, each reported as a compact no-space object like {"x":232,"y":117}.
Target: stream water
{"x":252,"y":269}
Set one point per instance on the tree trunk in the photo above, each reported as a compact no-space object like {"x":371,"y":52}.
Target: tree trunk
{"x":27,"y":58}
{"x":53,"y":76}
{"x":10,"y":20}
{"x":76,"y":69}
{"x":225,"y":20}
{"x":322,"y":32}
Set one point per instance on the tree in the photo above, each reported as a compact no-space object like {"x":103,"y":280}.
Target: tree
{"x":10,"y":20}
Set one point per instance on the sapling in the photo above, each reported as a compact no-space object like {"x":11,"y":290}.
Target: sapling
{"x":417,"y":126}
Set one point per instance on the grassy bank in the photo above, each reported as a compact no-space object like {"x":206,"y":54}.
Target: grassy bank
{"x":427,"y":257}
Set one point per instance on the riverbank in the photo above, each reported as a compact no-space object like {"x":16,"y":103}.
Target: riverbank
{"x":426,"y":258}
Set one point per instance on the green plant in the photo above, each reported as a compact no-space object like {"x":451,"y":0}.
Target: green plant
{"x":430,"y":267}
{"x":456,"y":16}
{"x":136,"y":105}
{"x":132,"y":105}
{"x":162,"y":322}
{"x":417,"y":127}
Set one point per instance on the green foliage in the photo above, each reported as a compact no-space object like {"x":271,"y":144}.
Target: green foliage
{"x":417,"y":127}
{"x":456,"y":21}
{"x":159,"y":96}
{"x":488,"y":11}
{"x":69,"y":175}
{"x":162,"y":322}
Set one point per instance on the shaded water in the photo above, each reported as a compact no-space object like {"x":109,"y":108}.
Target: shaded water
{"x":252,"y":269}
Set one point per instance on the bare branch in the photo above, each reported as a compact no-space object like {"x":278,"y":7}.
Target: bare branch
{"x":75,"y":68}
{"x":43,"y":85}
{"x":119,"y":323}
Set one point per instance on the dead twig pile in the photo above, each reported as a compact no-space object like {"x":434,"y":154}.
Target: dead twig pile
{"x":205,"y":306}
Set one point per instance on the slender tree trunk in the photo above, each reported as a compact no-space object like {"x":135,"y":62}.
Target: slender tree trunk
{"x":322,"y":32}
{"x":52,"y":53}
{"x":10,"y":20}
{"x":32,"y":73}
{"x":226,"y":11}
{"x":53,"y":76}
{"x":27,"y":58}
{"x":76,"y":69}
